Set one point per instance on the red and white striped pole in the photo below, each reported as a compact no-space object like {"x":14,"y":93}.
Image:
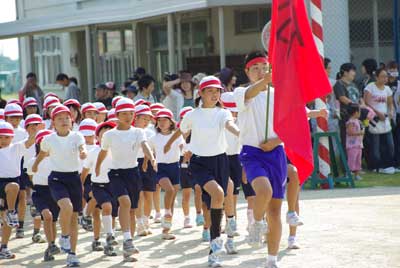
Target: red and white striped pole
{"x":322,"y":123}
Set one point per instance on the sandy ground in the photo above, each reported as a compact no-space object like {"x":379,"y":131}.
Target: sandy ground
{"x":343,"y":228}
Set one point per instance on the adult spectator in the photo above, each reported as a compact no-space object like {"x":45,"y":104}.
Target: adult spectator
{"x":32,"y":89}
{"x":146,"y":88}
{"x":72,"y":91}
{"x":228,"y":79}
{"x":368,"y":68}
{"x":332,"y":103}
{"x":101,"y":95}
{"x":378,"y":96}
{"x":173,"y":99}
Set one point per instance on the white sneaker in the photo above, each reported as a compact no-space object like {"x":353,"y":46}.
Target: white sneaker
{"x":214,"y":261}
{"x":292,"y":243}
{"x":72,"y":261}
{"x":256,"y":233}
{"x":157,"y":218}
{"x":271,"y":265}
{"x":216,"y":246}
{"x":65,"y":244}
{"x":293,"y":219}
{"x":141,"y":230}
{"x":186,"y":223}
{"x":388,"y":171}
{"x":231,"y":227}
{"x":230,"y":247}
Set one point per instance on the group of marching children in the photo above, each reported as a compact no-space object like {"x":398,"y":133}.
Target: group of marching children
{"x":88,"y":165}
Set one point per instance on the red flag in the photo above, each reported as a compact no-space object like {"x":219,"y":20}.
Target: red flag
{"x":298,"y":76}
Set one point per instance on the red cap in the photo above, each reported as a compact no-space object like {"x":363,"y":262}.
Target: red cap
{"x":185,"y":110}
{"x":115,"y":100}
{"x":124,"y":105}
{"x":33,"y":119}
{"x":72,"y":102}
{"x":210,"y":81}
{"x":6,"y":129}
{"x":60,"y":109}
{"x":111,"y":115}
{"x":29,"y":102}
{"x":14,"y":101}
{"x":13,"y":109}
{"x":88,"y":107}
{"x":101,"y":108}
{"x":1,"y":114}
{"x":41,"y":134}
{"x":51,"y":101}
{"x":166,"y":113}
{"x":157,"y":106}
{"x":88,"y":127}
{"x":105,"y":124}
{"x":143,"y":110}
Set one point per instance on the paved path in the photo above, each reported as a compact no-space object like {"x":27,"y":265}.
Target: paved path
{"x":343,"y":228}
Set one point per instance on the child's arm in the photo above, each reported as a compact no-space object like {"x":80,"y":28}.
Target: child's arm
{"x":145,"y":164}
{"x":350,"y":130}
{"x":38,"y":159}
{"x":82,"y":152}
{"x":100,"y":158}
{"x":317,"y":113}
{"x":257,"y":87}
{"x":232,"y":127}
{"x":149,"y":154}
{"x":270,"y":144}
{"x":31,"y":138}
{"x":169,"y":143}
{"x":85,"y":172}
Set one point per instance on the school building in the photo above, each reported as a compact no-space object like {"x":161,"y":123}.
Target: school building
{"x":103,"y":40}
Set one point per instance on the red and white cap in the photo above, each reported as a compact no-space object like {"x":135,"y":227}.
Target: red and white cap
{"x":51,"y":102}
{"x":115,"y":100}
{"x":210,"y":81}
{"x":110,"y":124}
{"x":228,"y":101}
{"x":124,"y":105}
{"x":165,"y":113}
{"x":33,"y":119}
{"x":60,"y":109}
{"x":41,"y":134}
{"x":142,"y":102}
{"x":30,"y":101}
{"x":1,"y":114}
{"x":51,"y":94}
{"x":143,"y":110}
{"x":6,"y":129}
{"x":157,"y":106}
{"x":184,"y":111}
{"x":15,"y":101}
{"x":101,"y":108}
{"x":86,"y":107}
{"x":13,"y":109}
{"x":88,"y":127}
{"x":111,"y":116}
{"x":72,"y":102}
{"x":110,"y":85}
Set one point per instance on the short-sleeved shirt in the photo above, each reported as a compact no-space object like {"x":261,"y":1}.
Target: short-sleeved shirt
{"x":379,"y":97}
{"x":72,"y":92}
{"x":348,"y":90}
{"x":150,"y":98}
{"x":43,"y":172}
{"x":10,"y":163}
{"x":233,"y":143}
{"x":149,"y":132}
{"x":252,"y":117}
{"x":353,"y":126}
{"x":208,"y":130}
{"x":174,"y":102}
{"x":20,"y":134}
{"x":158,"y":141}
{"x":90,"y":163}
{"x":124,"y":146}
{"x":64,"y":151}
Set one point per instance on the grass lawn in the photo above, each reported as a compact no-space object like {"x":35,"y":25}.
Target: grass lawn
{"x":8,"y":96}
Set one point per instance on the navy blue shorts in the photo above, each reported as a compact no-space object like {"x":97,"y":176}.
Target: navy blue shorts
{"x":248,"y":190}
{"x":102,"y":193}
{"x":42,"y":200}
{"x":208,"y":168}
{"x":170,"y":171}
{"x":126,"y":182}
{"x":87,"y":187}
{"x":66,"y":185}
{"x":272,"y":165}
{"x":3,"y":199}
{"x":148,"y":177}
{"x":235,"y":172}
{"x":24,"y":181}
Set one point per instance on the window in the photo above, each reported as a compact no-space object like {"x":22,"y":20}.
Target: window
{"x":128,"y":40}
{"x":361,"y":33}
{"x":159,"y":37}
{"x":113,"y":41}
{"x":199,"y":32}
{"x":251,"y":20}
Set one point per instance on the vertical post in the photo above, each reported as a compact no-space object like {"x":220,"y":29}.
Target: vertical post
{"x":322,"y":123}
{"x":135,"y":44}
{"x":89,"y":61}
{"x":375,"y":19}
{"x":179,"y":40}
{"x":221,"y":28}
{"x":396,"y":29}
{"x":171,"y":45}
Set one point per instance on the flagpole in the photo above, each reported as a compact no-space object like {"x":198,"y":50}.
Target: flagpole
{"x":268,"y":100}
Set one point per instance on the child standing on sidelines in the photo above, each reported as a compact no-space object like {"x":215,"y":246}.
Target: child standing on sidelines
{"x":10,"y":171}
{"x":102,"y":192}
{"x":168,"y":174}
{"x":124,"y":142}
{"x":209,"y":164}
{"x":354,"y":140}
{"x":65,"y":148}
{"x":142,"y":120}
{"x":44,"y":203}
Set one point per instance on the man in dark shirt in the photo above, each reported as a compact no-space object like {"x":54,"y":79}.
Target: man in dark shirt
{"x":101,"y":95}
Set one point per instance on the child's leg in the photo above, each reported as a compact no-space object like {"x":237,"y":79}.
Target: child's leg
{"x":11,"y":191}
{"x":5,"y":235}
{"x":133,"y":220}
{"x":96,"y":223}
{"x":21,"y":208}
{"x":66,"y":211}
{"x":250,"y":209}
{"x":186,"y":201}
{"x":48,"y":225}
{"x":217,"y":200}
{"x":74,"y":230}
{"x":275,"y":226}
{"x":292,"y":188}
{"x":147,"y":203}
{"x":293,"y":229}
{"x":176,"y":188}
{"x":207,"y":217}
{"x":124,"y":213}
{"x":91,"y":205}
{"x":139,"y":210}
{"x":198,"y":202}
{"x":106,"y":209}
{"x":156,"y":198}
{"x":169,"y":189}
{"x":228,"y":204}
{"x":263,"y":190}
{"x":54,"y":231}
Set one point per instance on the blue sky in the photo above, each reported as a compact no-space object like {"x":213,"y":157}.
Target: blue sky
{"x":8,"y":47}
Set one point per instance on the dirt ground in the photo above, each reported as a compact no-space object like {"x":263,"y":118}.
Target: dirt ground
{"x":343,"y":228}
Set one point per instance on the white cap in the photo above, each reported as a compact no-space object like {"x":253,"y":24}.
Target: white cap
{"x":6,"y":129}
{"x":124,"y":105}
{"x":88,"y":127}
{"x":228,"y":101}
{"x":143,"y":110}
{"x":13,"y":109}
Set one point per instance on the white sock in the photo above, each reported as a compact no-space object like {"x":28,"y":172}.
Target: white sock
{"x":84,"y":212}
{"x":167,"y":212}
{"x":292,"y":237}
{"x":107,"y":222}
{"x":127,"y":235}
{"x":272,"y":259}
{"x":250,"y":216}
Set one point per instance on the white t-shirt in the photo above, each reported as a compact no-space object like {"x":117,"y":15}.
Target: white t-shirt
{"x":233,"y":143}
{"x":10,"y":160}
{"x":82,"y":162}
{"x":47,"y":123}
{"x":208,"y":130}
{"x":20,"y":134}
{"x":63,"y":151}
{"x":29,"y":154}
{"x":252,"y":117}
{"x":149,"y":132}
{"x":174,"y":102}
{"x":158,"y":142}
{"x":90,"y":163}
{"x":124,"y":146}
{"x":42,"y":175}
{"x":379,"y":97}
